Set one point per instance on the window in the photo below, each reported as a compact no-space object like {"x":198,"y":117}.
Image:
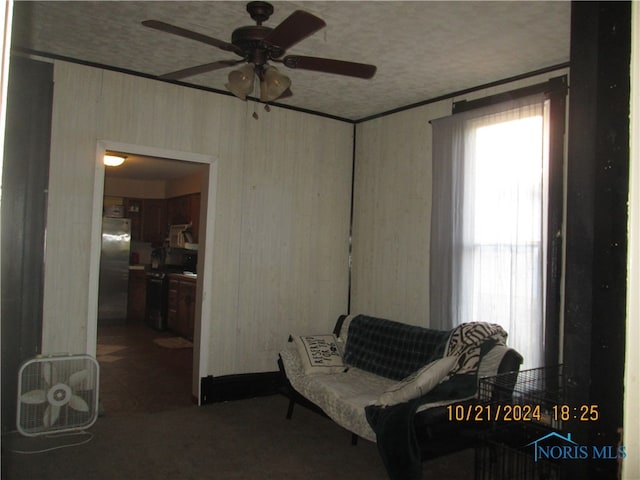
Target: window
{"x":502,"y":255}
{"x":490,"y":223}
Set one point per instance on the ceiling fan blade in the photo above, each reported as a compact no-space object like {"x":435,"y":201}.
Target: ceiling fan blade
{"x":339,"y":67}
{"x":296,"y":27}
{"x":182,"y":32}
{"x":207,"y":67}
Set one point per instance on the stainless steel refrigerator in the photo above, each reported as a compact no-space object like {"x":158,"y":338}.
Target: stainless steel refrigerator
{"x":114,"y":270}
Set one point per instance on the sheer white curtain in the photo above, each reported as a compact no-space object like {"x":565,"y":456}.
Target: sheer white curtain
{"x":488,"y":221}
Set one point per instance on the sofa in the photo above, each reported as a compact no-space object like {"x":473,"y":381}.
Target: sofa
{"x":390,"y":383}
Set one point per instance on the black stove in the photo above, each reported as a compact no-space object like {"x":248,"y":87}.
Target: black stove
{"x":157,"y":291}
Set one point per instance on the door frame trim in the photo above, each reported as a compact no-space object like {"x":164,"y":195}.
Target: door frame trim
{"x":204,"y":305}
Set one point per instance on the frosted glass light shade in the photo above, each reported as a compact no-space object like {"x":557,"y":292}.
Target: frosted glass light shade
{"x":113,"y":160}
{"x":273,"y":84}
{"x":241,"y":81}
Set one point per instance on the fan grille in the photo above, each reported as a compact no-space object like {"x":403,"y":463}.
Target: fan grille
{"x":57,"y":394}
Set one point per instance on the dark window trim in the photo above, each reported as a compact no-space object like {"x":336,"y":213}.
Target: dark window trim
{"x":553,"y":87}
{"x":556,"y":91}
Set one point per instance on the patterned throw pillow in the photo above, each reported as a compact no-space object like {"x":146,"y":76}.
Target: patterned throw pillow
{"x":319,"y":353}
{"x":418,"y":383}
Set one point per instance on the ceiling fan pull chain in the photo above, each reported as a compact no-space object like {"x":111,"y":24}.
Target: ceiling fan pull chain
{"x":255,"y":102}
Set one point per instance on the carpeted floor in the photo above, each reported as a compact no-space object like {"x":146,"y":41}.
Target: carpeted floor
{"x":246,"y":439}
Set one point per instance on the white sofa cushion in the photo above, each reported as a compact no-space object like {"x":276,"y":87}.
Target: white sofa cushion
{"x":342,"y":396}
{"x":418,"y":383}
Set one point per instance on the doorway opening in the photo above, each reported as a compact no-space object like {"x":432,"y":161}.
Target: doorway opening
{"x":150,"y":345}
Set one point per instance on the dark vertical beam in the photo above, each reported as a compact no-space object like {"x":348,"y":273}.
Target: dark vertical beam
{"x":25,"y":179}
{"x":597,"y":194}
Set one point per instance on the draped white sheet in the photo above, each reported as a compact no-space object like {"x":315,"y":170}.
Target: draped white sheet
{"x":488,"y":221}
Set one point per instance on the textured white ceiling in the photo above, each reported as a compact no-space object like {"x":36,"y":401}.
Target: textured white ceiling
{"x":422,"y":49}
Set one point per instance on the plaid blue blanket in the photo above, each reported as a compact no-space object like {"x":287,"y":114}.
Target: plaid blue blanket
{"x":391,"y":349}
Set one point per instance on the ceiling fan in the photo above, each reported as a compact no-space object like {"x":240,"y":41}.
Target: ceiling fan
{"x":258,"y":45}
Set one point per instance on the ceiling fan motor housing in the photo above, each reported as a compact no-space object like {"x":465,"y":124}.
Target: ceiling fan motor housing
{"x":249,"y":39}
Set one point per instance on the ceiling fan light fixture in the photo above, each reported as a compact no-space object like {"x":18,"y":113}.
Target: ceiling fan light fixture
{"x":113,"y":160}
{"x":241,"y":81}
{"x":273,"y":84}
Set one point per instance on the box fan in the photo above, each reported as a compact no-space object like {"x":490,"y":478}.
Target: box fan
{"x":57,"y":394}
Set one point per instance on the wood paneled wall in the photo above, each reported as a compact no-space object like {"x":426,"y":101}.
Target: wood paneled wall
{"x":392,"y":214}
{"x":280,"y":249}
{"x":392,"y":209}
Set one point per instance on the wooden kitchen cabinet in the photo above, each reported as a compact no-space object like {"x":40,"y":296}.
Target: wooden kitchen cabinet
{"x":183,"y":210}
{"x":178,"y":210}
{"x":154,"y":220}
{"x":148,"y":219}
{"x":137,"y":296}
{"x":172,"y":303}
{"x":181,"y":305}
{"x":187,"y":307}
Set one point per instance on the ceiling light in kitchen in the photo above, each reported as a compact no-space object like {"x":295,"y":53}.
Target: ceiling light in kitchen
{"x":112,"y":160}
